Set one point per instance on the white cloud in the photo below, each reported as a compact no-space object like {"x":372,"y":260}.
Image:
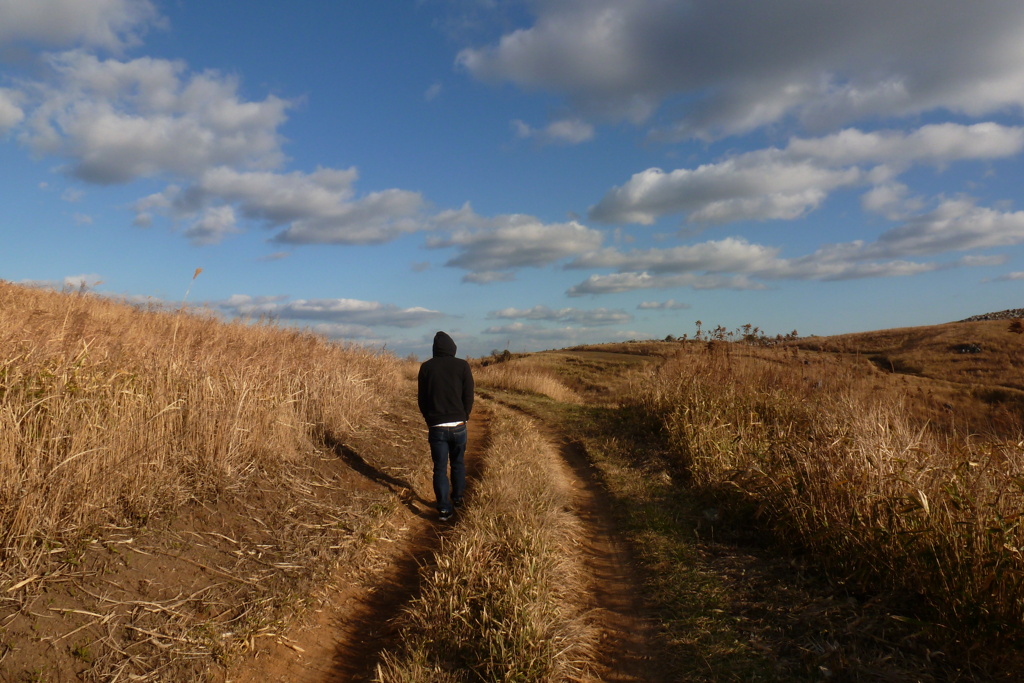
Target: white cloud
{"x":741,"y":64}
{"x":729,"y":255}
{"x":213,"y":225}
{"x":11,"y":113}
{"x":754,"y":186}
{"x":312,"y":208}
{"x":118,"y":121}
{"x":487,"y":277}
{"x":628,"y":282}
{"x":111,"y":24}
{"x":490,"y":247}
{"x":954,"y":225}
{"x":596,"y":316}
{"x":562,"y":132}
{"x":891,"y":201}
{"x":334,"y":311}
{"x":786,"y":183}
{"x":85,"y":281}
{"x":1009,"y":277}
{"x":670,"y":305}
{"x":933,"y":144}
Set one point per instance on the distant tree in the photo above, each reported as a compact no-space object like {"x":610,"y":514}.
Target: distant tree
{"x":669,"y":338}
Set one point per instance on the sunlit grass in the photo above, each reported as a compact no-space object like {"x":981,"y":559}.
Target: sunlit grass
{"x":503,"y":599}
{"x":111,"y":413}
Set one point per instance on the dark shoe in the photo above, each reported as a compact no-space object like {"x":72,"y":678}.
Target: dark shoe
{"x":457,"y":503}
{"x":445,"y":515}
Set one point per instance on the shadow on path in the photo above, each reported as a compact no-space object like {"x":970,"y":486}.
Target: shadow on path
{"x":400,"y":487}
{"x":370,"y":624}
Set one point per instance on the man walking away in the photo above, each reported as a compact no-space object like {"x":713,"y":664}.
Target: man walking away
{"x":446,"y":399}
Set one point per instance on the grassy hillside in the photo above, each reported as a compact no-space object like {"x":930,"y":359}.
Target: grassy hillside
{"x":905,"y":490}
{"x":967,"y":374}
{"x":171,"y":484}
{"x":174,"y":488}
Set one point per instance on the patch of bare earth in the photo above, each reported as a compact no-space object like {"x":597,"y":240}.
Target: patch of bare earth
{"x":626,"y":626}
{"x":619,"y":612}
{"x":342,"y":638}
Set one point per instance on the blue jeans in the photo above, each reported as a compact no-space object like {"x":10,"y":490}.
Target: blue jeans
{"x":448,"y":447}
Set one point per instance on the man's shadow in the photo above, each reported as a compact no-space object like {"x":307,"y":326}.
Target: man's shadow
{"x":400,"y":487}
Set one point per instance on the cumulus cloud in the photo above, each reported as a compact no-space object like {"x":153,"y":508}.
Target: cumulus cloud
{"x":954,"y":225}
{"x":596,"y":316}
{"x":214,"y":223}
{"x":786,"y":183}
{"x":110,"y":24}
{"x":118,"y":121}
{"x":310,"y":208}
{"x":563,"y":132}
{"x":741,"y":64}
{"x":489,"y":248}
{"x":728,"y":255}
{"x":329,"y":311}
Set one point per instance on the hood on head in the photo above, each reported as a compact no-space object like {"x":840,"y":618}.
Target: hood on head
{"x":443,"y":345}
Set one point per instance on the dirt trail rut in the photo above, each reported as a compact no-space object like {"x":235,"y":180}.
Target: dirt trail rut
{"x":344,"y":639}
{"x":624,"y":653}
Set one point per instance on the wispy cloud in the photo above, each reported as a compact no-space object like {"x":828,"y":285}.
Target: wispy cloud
{"x":670,"y":305}
{"x":334,"y":311}
{"x":561,"y":132}
{"x":576,"y":316}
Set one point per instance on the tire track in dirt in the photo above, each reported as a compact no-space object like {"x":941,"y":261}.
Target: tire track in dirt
{"x":626,"y":629}
{"x":357,"y":621}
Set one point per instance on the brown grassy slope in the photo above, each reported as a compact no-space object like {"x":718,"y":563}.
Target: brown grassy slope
{"x":979,"y":391}
{"x":170,"y":484}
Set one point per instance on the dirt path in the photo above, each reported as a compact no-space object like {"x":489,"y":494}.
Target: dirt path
{"x":342,"y":641}
{"x":624,"y":653}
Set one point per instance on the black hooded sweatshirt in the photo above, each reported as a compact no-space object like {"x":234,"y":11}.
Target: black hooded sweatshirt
{"x":445,"y":385}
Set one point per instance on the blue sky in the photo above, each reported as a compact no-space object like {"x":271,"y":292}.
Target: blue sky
{"x":525,"y":174}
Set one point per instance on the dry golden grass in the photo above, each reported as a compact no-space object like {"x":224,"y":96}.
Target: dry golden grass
{"x":109,"y":413}
{"x":525,"y":375}
{"x":974,"y":370}
{"x":504,"y":598}
{"x":836,"y":460}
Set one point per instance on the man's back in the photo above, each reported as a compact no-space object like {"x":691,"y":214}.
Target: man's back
{"x":445,"y":385}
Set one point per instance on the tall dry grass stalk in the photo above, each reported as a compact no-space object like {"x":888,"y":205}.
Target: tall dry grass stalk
{"x":838,"y":465}
{"x":504,"y":599}
{"x":520,"y":376}
{"x":109,"y":412}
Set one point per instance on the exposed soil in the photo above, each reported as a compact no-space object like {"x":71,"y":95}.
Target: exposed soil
{"x":619,"y":611}
{"x":344,"y":637}
{"x":356,"y":622}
